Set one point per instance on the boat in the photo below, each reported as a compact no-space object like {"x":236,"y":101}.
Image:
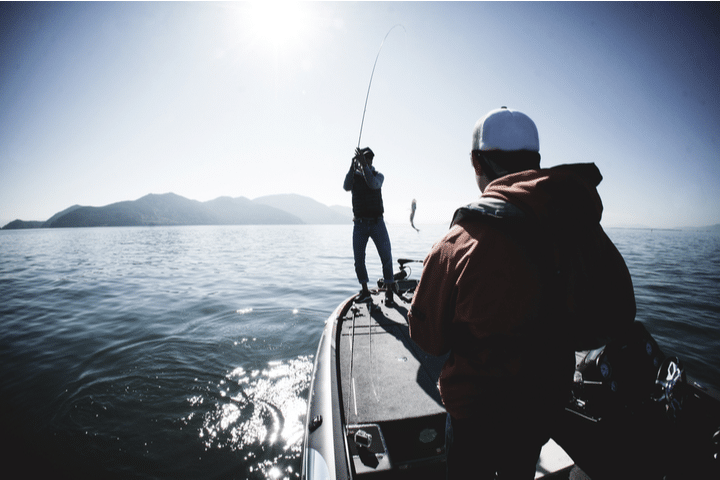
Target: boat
{"x":374,"y":410}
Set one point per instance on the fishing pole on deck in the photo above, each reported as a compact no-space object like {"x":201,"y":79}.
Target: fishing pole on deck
{"x":371,"y":78}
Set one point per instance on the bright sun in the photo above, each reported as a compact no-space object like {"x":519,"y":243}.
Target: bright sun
{"x":277,"y":22}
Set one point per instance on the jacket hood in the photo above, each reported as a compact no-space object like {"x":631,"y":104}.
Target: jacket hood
{"x":566,"y":193}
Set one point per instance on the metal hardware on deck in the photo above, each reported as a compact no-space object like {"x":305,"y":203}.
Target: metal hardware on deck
{"x":315,"y":423}
{"x":428,"y":435}
{"x":363,"y":439}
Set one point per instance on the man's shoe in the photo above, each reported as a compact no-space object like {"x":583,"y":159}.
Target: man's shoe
{"x":363,"y":296}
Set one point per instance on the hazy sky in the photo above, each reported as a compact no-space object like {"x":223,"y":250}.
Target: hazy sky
{"x":104,"y":102}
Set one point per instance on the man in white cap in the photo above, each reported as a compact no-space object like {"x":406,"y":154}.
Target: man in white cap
{"x":524,"y":277}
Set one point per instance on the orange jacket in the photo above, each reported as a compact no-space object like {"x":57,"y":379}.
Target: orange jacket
{"x":487,"y":293}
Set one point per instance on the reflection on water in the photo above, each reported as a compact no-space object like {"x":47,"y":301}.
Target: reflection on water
{"x":260,"y":408}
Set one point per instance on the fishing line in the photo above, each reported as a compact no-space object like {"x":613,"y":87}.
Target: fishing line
{"x":354,"y":311}
{"x":371,"y":78}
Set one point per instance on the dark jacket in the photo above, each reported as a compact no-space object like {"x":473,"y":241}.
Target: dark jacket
{"x":514,"y":288}
{"x":365,"y":185}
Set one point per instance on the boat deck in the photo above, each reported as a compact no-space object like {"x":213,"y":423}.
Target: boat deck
{"x":392,"y":408}
{"x":394,"y":415}
{"x":386,"y":376}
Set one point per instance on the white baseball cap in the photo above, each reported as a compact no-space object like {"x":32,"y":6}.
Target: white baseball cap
{"x":507,"y":130}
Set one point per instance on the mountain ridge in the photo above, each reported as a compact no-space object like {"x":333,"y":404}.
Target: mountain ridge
{"x":308,"y":210}
{"x":171,"y":209}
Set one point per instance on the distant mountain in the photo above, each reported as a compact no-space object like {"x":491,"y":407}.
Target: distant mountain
{"x":307,"y":209}
{"x":168,"y":209}
{"x":172,"y":209}
{"x":344,"y":211}
{"x":243,"y":211}
{"x":22,"y":225}
{"x":50,"y":220}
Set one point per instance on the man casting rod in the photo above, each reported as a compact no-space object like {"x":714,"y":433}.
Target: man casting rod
{"x":371,"y":77}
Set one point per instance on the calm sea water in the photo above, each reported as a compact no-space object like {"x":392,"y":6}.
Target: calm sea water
{"x":186,"y":352}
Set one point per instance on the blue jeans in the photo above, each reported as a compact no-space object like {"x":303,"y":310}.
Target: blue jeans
{"x":363,"y":230}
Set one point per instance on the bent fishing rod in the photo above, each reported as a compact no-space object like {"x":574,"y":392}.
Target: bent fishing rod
{"x":371,"y":78}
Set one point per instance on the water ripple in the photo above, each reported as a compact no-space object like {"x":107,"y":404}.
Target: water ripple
{"x":187,"y":352}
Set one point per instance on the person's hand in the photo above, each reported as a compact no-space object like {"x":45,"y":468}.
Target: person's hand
{"x":360,"y":157}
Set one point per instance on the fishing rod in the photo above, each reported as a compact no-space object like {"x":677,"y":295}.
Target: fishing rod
{"x":371,"y":78}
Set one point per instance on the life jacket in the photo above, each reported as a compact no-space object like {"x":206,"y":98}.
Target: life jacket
{"x":580,"y":269}
{"x":367,"y":202}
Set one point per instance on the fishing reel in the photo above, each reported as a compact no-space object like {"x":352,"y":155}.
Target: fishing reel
{"x":669,"y":384}
{"x":405,"y":271}
{"x":402,"y":281}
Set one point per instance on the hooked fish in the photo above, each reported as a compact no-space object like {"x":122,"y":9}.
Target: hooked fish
{"x":413,"y":206}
